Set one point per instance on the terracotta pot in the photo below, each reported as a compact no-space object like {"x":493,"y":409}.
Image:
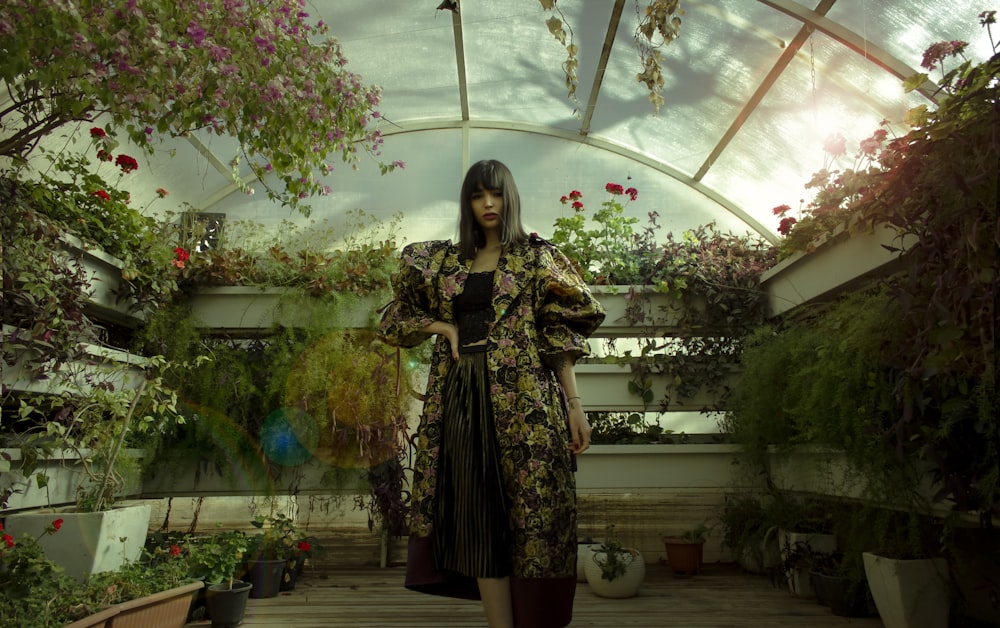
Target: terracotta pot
{"x":684,"y":556}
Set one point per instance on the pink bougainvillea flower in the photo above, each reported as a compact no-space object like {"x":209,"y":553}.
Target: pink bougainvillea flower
{"x":97,"y":132}
{"x":126,"y":163}
{"x":101,"y":194}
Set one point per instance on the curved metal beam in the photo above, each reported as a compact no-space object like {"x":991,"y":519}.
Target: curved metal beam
{"x":418,"y":126}
{"x":877,"y":55}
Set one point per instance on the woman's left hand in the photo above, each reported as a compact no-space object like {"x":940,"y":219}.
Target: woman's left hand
{"x":579,"y":428}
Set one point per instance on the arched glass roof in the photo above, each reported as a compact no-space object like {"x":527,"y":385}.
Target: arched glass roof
{"x":752,"y":90}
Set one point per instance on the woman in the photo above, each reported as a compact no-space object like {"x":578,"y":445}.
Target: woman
{"x":493,"y":511}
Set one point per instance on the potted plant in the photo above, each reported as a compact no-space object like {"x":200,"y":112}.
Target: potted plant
{"x":613,"y":570}
{"x":270,"y":553}
{"x":838,"y":581}
{"x":99,"y":533}
{"x":35,"y":591}
{"x":696,"y":295}
{"x":685,"y":551}
{"x":748,"y":532}
{"x":215,"y":558}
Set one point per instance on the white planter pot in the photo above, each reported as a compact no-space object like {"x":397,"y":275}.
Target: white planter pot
{"x":834,"y":267}
{"x":103,"y":366}
{"x":104,"y":276}
{"x":607,"y":389}
{"x":798,"y":579}
{"x":87,"y":542}
{"x":65,"y":475}
{"x":620,"y":469}
{"x":769,"y":557}
{"x":583,"y":556}
{"x":626,"y":585}
{"x":253,"y":309}
{"x":909,"y":593}
{"x":660,"y":312}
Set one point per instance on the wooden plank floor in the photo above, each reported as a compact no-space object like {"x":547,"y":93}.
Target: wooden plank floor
{"x":720,"y":597}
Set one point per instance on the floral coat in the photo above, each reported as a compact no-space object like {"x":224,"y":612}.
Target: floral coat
{"x":542,"y":309}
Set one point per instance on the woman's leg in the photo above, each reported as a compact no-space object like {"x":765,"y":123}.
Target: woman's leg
{"x":496,"y":601}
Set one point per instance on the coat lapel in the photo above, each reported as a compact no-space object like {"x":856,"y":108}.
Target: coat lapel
{"x":506,"y":287}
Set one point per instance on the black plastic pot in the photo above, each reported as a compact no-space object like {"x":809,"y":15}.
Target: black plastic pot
{"x":226,"y":605}
{"x":266,"y":576}
{"x":844,"y":597}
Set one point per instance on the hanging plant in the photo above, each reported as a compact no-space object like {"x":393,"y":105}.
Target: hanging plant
{"x":657,"y":24}
{"x":260,"y":72}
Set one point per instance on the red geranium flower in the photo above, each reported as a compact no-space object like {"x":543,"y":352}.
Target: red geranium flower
{"x":182,"y":255}
{"x":780,"y":210}
{"x":632,"y":193}
{"x":577,"y":205}
{"x":175,"y":550}
{"x":9,"y":540}
{"x":101,"y":194}
{"x":614,"y":188}
{"x":786,"y":224}
{"x":57,"y":523}
{"x":97,"y":132}
{"x":305,"y":546}
{"x":103,"y":155}
{"x":126,"y":163}
{"x":161,"y":192}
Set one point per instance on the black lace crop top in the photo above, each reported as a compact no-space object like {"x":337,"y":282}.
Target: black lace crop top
{"x":474,"y":308}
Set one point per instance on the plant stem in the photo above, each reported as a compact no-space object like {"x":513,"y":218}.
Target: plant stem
{"x":109,"y":465}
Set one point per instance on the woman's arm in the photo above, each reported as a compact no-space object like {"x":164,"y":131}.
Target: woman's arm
{"x":447,"y":330}
{"x":579,"y":427}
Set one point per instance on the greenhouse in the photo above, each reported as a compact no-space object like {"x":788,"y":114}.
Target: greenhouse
{"x":754,"y":288}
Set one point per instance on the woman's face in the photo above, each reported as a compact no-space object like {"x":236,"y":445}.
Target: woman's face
{"x":487,"y":206}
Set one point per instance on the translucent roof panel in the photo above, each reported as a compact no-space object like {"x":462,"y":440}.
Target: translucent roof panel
{"x":752,"y":89}
{"x":406,"y":48}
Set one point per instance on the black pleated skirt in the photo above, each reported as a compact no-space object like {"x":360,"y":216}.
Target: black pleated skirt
{"x":472,"y":532}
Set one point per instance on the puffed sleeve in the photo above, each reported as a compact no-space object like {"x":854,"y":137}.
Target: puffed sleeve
{"x":414,"y":301}
{"x":566,"y":311}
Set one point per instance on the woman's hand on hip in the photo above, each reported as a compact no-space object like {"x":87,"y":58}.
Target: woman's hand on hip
{"x":447,"y":330}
